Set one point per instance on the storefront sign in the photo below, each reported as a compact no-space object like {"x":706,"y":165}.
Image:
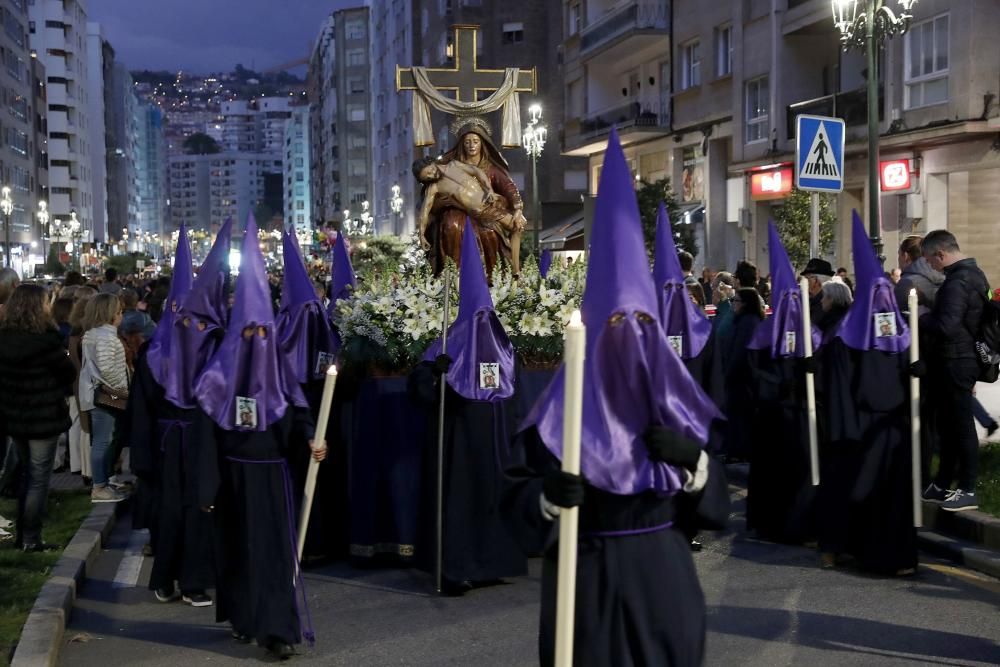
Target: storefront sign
{"x":771,"y":184}
{"x":895,"y":175}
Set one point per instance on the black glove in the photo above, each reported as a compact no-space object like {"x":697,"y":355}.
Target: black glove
{"x":671,"y":447}
{"x":563,"y":489}
{"x":809,"y":365}
{"x":442,"y":363}
{"x":918,"y":369}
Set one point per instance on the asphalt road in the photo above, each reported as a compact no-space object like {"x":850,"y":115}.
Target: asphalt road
{"x":769,"y":605}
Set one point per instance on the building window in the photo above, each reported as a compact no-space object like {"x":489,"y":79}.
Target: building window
{"x":300,"y":218}
{"x":757,"y":101}
{"x":357,"y":85}
{"x":691,"y":65}
{"x":356,"y":113}
{"x":356,"y":57}
{"x":355,"y":30}
{"x":723,"y":51}
{"x":299,"y":177}
{"x":927,"y":63}
{"x":575,"y":19}
{"x":513,"y":33}
{"x":300,"y":205}
{"x":299,"y":162}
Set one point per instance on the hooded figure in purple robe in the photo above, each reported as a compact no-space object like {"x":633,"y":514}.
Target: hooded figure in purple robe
{"x":781,"y":502}
{"x":645,"y":479}
{"x":158,"y":354}
{"x":865,"y":504}
{"x":482,"y":366}
{"x":199,"y":323}
{"x":344,"y":282}
{"x":247,"y":385}
{"x":545,"y":263}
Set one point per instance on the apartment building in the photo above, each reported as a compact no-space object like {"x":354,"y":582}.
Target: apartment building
{"x":121,"y":112}
{"x":151,"y":174}
{"x":207,"y":189}
{"x":296,"y":183}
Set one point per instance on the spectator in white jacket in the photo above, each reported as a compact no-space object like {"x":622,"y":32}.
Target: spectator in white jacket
{"x":103,"y":364}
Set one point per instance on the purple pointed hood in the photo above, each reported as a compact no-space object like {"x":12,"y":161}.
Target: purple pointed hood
{"x":199,"y":323}
{"x":482,"y":366}
{"x":545,"y":263}
{"x":158,"y":354}
{"x":245,"y":385}
{"x":343,"y":272}
{"x":678,"y":314}
{"x":306,"y":339}
{"x":873,"y":321}
{"x":632,"y":379}
{"x":782,"y":331}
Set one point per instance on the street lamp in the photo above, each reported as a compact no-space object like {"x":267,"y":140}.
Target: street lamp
{"x":359,"y":227}
{"x":7,"y":206}
{"x":869,"y":29}
{"x":396,"y":204}
{"x":534,"y":142}
{"x":74,"y":232}
{"x":43,"y":223}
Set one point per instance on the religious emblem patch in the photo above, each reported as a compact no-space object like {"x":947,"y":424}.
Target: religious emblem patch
{"x":885,"y":324}
{"x":676,"y":342}
{"x":789,"y":342}
{"x":489,"y":376}
{"x":323,"y":361}
{"x":246,"y":412}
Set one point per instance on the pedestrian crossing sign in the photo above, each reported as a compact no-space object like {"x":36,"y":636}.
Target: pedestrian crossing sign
{"x":819,"y":153}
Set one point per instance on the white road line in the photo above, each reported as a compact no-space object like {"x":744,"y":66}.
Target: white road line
{"x":131,"y":563}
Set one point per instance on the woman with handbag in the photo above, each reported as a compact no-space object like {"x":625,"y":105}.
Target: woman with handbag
{"x":35,"y":376}
{"x":104,"y":379}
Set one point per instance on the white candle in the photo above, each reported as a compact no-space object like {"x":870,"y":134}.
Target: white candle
{"x":573,"y":356}
{"x":324,"y":416}
{"x":914,"y":307}
{"x":807,"y":347}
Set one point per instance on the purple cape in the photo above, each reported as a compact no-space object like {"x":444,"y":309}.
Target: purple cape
{"x":343,"y":272}
{"x":158,"y":358}
{"x":785,"y":321}
{"x":678,"y":314}
{"x":305,"y":337}
{"x":199,"y":323}
{"x":545,"y":263}
{"x":245,"y":385}
{"x":481,"y":353}
{"x":873,"y":321}
{"x":632,"y":379}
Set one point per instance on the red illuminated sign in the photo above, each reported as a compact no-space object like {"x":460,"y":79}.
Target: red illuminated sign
{"x":895,"y":175}
{"x":771,"y":184}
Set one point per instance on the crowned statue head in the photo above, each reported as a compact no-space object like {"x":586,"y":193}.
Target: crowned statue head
{"x":475,"y":144}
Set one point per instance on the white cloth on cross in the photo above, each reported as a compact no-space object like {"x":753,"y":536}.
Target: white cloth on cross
{"x":505,"y":97}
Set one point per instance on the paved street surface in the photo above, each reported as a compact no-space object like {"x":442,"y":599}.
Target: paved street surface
{"x":768,"y":605}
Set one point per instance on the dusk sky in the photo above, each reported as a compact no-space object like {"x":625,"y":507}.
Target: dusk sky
{"x":211,"y":35}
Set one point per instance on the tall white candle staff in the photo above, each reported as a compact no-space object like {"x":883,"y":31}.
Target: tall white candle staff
{"x":324,"y":416}
{"x":807,"y":346}
{"x":915,"y":409}
{"x":439,"y":528}
{"x":573,"y":356}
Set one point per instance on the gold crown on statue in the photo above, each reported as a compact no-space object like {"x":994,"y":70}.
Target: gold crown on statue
{"x":465,"y":121}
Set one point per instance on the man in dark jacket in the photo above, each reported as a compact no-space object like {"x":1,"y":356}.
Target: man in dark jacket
{"x":818,"y":272}
{"x":952,"y":325}
{"x":917,"y":274}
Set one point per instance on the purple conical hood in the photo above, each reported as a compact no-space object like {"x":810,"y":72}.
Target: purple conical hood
{"x":873,"y":321}
{"x":158,"y":354}
{"x":545,"y":263}
{"x":782,"y":331}
{"x":343,"y":272}
{"x":678,"y":314}
{"x":632,"y":379}
{"x":481,"y":352}
{"x":246,"y":375}
{"x":199,"y":323}
{"x":306,"y":339}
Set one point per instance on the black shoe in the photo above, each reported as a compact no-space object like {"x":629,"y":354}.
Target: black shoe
{"x":696,"y":546}
{"x":241,"y":638}
{"x":197,"y":599}
{"x":38,"y":547}
{"x":167,"y":594}
{"x":280,"y":650}
{"x":992,"y":428}
{"x":455,"y":589}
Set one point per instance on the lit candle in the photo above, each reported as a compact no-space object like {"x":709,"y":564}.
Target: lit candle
{"x":573,"y":356}
{"x":915,"y":409}
{"x":319,"y":438}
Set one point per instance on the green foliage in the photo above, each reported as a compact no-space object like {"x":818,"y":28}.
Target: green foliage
{"x":988,"y":485}
{"x":123,"y":264}
{"x":650,"y":195}
{"x":377,"y":256}
{"x":794,"y":222}
{"x":200,"y":143}
{"x":52,"y":264}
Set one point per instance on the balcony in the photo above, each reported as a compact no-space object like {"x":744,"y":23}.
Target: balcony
{"x":851,"y":106}
{"x":640,"y":17}
{"x":634,"y":121}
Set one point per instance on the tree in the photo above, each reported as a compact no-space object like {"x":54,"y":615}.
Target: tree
{"x":794,"y":222}
{"x":200,"y":143}
{"x":650,"y":195}
{"x":52,"y":265}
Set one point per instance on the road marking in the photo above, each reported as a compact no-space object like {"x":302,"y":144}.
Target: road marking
{"x":968,"y":576}
{"x":131,"y":564}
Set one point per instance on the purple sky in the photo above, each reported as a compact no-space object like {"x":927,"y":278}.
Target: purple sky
{"x":211,"y":35}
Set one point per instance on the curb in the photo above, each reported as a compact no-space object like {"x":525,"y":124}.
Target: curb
{"x":42,"y":635}
{"x":964,"y":553}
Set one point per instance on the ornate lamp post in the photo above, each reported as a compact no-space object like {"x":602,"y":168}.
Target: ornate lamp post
{"x":7,"y":206}
{"x":73,"y":227}
{"x":534,"y":136}
{"x":43,"y":224}
{"x":361,"y":226}
{"x":869,"y":29}
{"x":396,"y":203}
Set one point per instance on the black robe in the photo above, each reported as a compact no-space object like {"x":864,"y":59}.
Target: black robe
{"x":477,"y":543}
{"x":245,"y":476}
{"x":164,"y":457}
{"x":866,"y":505}
{"x":780,"y":495}
{"x":638,"y":600}
{"x":707,"y":371}
{"x":740,"y":407}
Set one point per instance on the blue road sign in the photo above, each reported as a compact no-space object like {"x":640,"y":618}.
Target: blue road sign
{"x":819,"y":153}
